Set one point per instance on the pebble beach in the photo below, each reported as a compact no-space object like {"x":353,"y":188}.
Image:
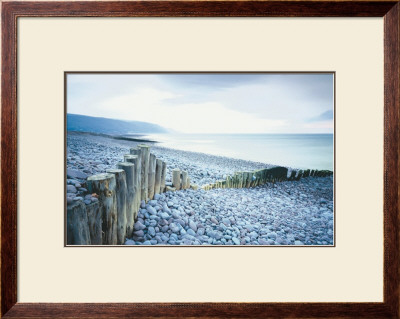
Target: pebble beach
{"x":283,"y":213}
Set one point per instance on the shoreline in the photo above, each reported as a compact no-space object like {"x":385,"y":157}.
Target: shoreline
{"x":163,"y":151}
{"x":116,"y":137}
{"x":205,"y":168}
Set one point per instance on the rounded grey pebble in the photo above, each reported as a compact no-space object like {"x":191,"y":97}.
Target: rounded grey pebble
{"x":151,"y":231}
{"x":71,"y":189}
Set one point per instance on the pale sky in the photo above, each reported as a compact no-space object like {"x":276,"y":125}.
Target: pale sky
{"x":209,"y":103}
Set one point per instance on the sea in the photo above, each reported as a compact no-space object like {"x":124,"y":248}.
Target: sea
{"x":303,"y":151}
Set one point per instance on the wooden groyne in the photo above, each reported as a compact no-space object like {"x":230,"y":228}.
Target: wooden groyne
{"x":139,"y":178}
{"x":264,"y":176}
{"x":120,"y":191}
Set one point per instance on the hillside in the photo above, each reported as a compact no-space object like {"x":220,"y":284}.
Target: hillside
{"x":83,"y":123}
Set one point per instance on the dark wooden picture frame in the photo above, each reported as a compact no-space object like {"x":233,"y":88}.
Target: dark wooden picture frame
{"x":11,"y":11}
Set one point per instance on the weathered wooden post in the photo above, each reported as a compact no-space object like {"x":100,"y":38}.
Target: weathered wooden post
{"x":184,"y":179}
{"x":292,"y":174}
{"x":163,"y":176}
{"x":176,"y":178}
{"x":104,"y":186}
{"x":145,"y":158}
{"x":135,"y":160}
{"x":157,"y":184}
{"x":257,"y":175}
{"x":241,"y":180}
{"x":138,"y":171}
{"x":95,"y":223}
{"x":152,"y":176}
{"x":248,"y":179}
{"x":120,"y":191}
{"x":264,"y":176}
{"x":299,"y":174}
{"x":268,"y":177}
{"x":77,"y":224}
{"x":254,"y":179}
{"x":251,"y":179}
{"x":129,"y":169}
{"x":188,"y":182}
{"x":245,"y":179}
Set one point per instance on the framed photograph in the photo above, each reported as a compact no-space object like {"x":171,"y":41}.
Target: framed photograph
{"x":190,"y":166}
{"x":200,"y":159}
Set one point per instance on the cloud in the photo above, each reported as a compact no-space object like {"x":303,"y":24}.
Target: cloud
{"x":325,"y":116}
{"x":208,"y":103}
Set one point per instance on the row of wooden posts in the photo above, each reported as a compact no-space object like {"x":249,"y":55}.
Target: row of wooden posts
{"x":263,"y":176}
{"x":110,"y":220}
{"x":180,"y":180}
{"x":120,"y":191}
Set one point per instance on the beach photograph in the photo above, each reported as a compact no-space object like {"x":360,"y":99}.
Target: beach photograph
{"x":199,"y":159}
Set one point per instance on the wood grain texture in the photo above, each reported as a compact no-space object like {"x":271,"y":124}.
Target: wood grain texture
{"x":391,"y":159}
{"x":12,"y":10}
{"x":204,"y":310}
{"x":204,"y":8}
{"x":8,"y":162}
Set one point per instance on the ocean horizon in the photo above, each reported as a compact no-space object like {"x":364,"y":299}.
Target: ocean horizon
{"x":303,"y":151}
